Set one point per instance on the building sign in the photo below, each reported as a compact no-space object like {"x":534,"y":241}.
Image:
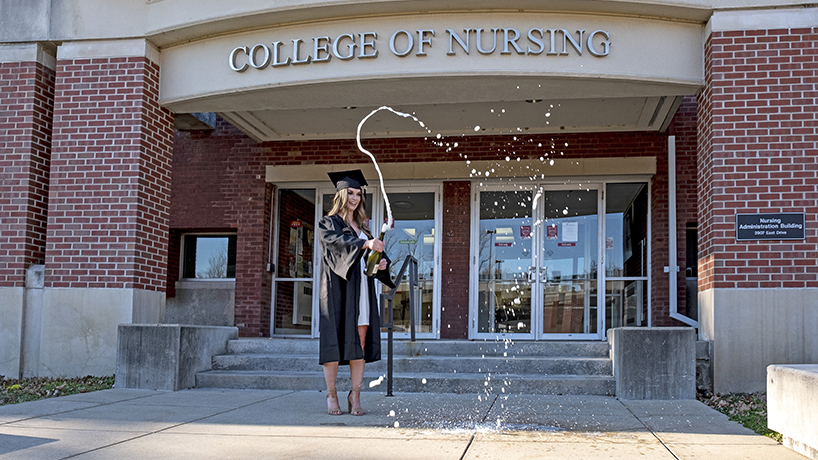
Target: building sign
{"x":503,"y":245}
{"x":551,"y":232}
{"x":525,"y":232}
{"x":403,"y":43}
{"x":783,"y":226}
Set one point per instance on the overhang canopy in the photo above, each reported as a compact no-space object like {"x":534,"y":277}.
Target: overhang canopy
{"x":461,"y":73}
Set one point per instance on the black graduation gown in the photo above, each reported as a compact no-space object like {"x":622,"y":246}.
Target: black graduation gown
{"x":339,"y":293}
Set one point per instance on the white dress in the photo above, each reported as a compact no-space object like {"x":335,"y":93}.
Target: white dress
{"x":363,"y":308}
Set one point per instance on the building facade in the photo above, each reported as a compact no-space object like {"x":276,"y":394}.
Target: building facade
{"x":557,"y":169}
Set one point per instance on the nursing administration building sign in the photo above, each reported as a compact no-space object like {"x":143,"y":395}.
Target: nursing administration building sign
{"x":782,"y":226}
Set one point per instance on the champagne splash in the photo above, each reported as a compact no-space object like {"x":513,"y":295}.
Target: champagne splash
{"x":388,"y":224}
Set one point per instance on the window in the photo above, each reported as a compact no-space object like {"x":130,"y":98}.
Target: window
{"x":208,"y":256}
{"x":626,"y":254}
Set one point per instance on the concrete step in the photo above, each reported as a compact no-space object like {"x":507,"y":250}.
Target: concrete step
{"x":505,"y":348}
{"x":436,"y":366}
{"x":426,"y":383}
{"x":419,"y":365}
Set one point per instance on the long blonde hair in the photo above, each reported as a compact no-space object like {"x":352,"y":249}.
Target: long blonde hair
{"x":340,"y":207}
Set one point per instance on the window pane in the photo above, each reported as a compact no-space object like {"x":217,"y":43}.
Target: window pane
{"x":293,"y":307}
{"x":504,"y":298}
{"x":626,"y":303}
{"x":296,"y":213}
{"x":209,"y":257}
{"x":626,"y":230}
{"x":412,"y":233}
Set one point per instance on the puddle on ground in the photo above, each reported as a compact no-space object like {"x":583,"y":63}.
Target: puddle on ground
{"x":486,"y":427}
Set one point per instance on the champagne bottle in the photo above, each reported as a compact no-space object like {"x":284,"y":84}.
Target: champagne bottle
{"x":374,"y":260}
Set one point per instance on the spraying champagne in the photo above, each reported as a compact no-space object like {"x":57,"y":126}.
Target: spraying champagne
{"x":375,"y":257}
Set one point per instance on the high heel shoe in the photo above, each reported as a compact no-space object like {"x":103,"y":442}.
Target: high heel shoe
{"x":355,"y":410}
{"x":332,"y":406}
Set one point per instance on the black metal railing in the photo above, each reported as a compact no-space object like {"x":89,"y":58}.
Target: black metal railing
{"x":387,"y":318}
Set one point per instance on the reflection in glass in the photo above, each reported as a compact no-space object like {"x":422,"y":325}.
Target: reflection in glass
{"x":626,"y":229}
{"x":626,"y":223}
{"x":505,"y":256}
{"x":570,"y":253}
{"x":209,"y":257}
{"x":412,"y":233}
{"x":626,"y":303}
{"x":293,"y":312}
{"x":569,"y":307}
{"x":296,"y":234}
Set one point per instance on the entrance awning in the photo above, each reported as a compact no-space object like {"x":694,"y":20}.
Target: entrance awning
{"x":462,"y":74}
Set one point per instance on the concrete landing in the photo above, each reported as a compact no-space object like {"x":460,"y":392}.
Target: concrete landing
{"x":234,"y":424}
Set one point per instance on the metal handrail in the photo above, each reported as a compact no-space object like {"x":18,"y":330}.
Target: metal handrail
{"x":389,"y":324}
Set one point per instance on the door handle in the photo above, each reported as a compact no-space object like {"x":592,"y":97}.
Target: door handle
{"x":532,"y":274}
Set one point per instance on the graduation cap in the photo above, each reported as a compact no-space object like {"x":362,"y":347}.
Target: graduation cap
{"x":347,"y":179}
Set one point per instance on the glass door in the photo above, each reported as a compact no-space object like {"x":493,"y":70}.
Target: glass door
{"x":537,"y":253}
{"x":293,"y":284}
{"x":504,"y":259}
{"x":414,"y":233}
{"x":568,"y":263}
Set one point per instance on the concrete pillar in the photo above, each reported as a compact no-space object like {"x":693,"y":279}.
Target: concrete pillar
{"x":758,"y":300}
{"x":26,"y":110}
{"x":654,"y":362}
{"x":106,"y":248}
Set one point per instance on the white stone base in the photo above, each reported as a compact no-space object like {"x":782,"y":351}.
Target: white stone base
{"x":78,"y":332}
{"x":11,"y":326}
{"x":792,"y":406}
{"x":753,"y":328}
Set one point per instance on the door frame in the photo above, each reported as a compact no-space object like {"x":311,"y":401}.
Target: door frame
{"x":420,"y":187}
{"x":474,"y":277}
{"x":376,"y":215}
{"x":600,"y":256}
{"x":564,"y":183}
{"x":274,"y":257}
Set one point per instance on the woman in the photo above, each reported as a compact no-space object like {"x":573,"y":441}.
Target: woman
{"x":347,"y":296}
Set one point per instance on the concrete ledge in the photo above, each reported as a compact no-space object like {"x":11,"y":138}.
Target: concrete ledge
{"x":654,"y":363}
{"x":167,"y":356}
{"x":792,"y":406}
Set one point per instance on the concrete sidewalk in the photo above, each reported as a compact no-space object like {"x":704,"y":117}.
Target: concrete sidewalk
{"x":246,"y":424}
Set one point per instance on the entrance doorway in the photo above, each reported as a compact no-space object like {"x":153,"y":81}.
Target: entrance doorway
{"x":416,"y":226}
{"x":539,"y":252}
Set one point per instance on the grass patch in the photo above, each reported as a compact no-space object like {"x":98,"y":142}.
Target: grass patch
{"x":13,"y":391}
{"x":749,"y":409}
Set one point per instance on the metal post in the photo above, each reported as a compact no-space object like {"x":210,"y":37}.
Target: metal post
{"x":386,"y":301}
{"x":413,"y":283}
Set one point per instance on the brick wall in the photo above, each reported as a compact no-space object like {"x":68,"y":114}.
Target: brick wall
{"x":218,"y":184}
{"x":26,"y":110}
{"x":455,"y":266}
{"x":704,"y":162}
{"x":762,"y":147}
{"x":110,"y":173}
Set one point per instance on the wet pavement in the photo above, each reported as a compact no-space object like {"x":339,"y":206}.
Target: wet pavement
{"x":240,"y":424}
